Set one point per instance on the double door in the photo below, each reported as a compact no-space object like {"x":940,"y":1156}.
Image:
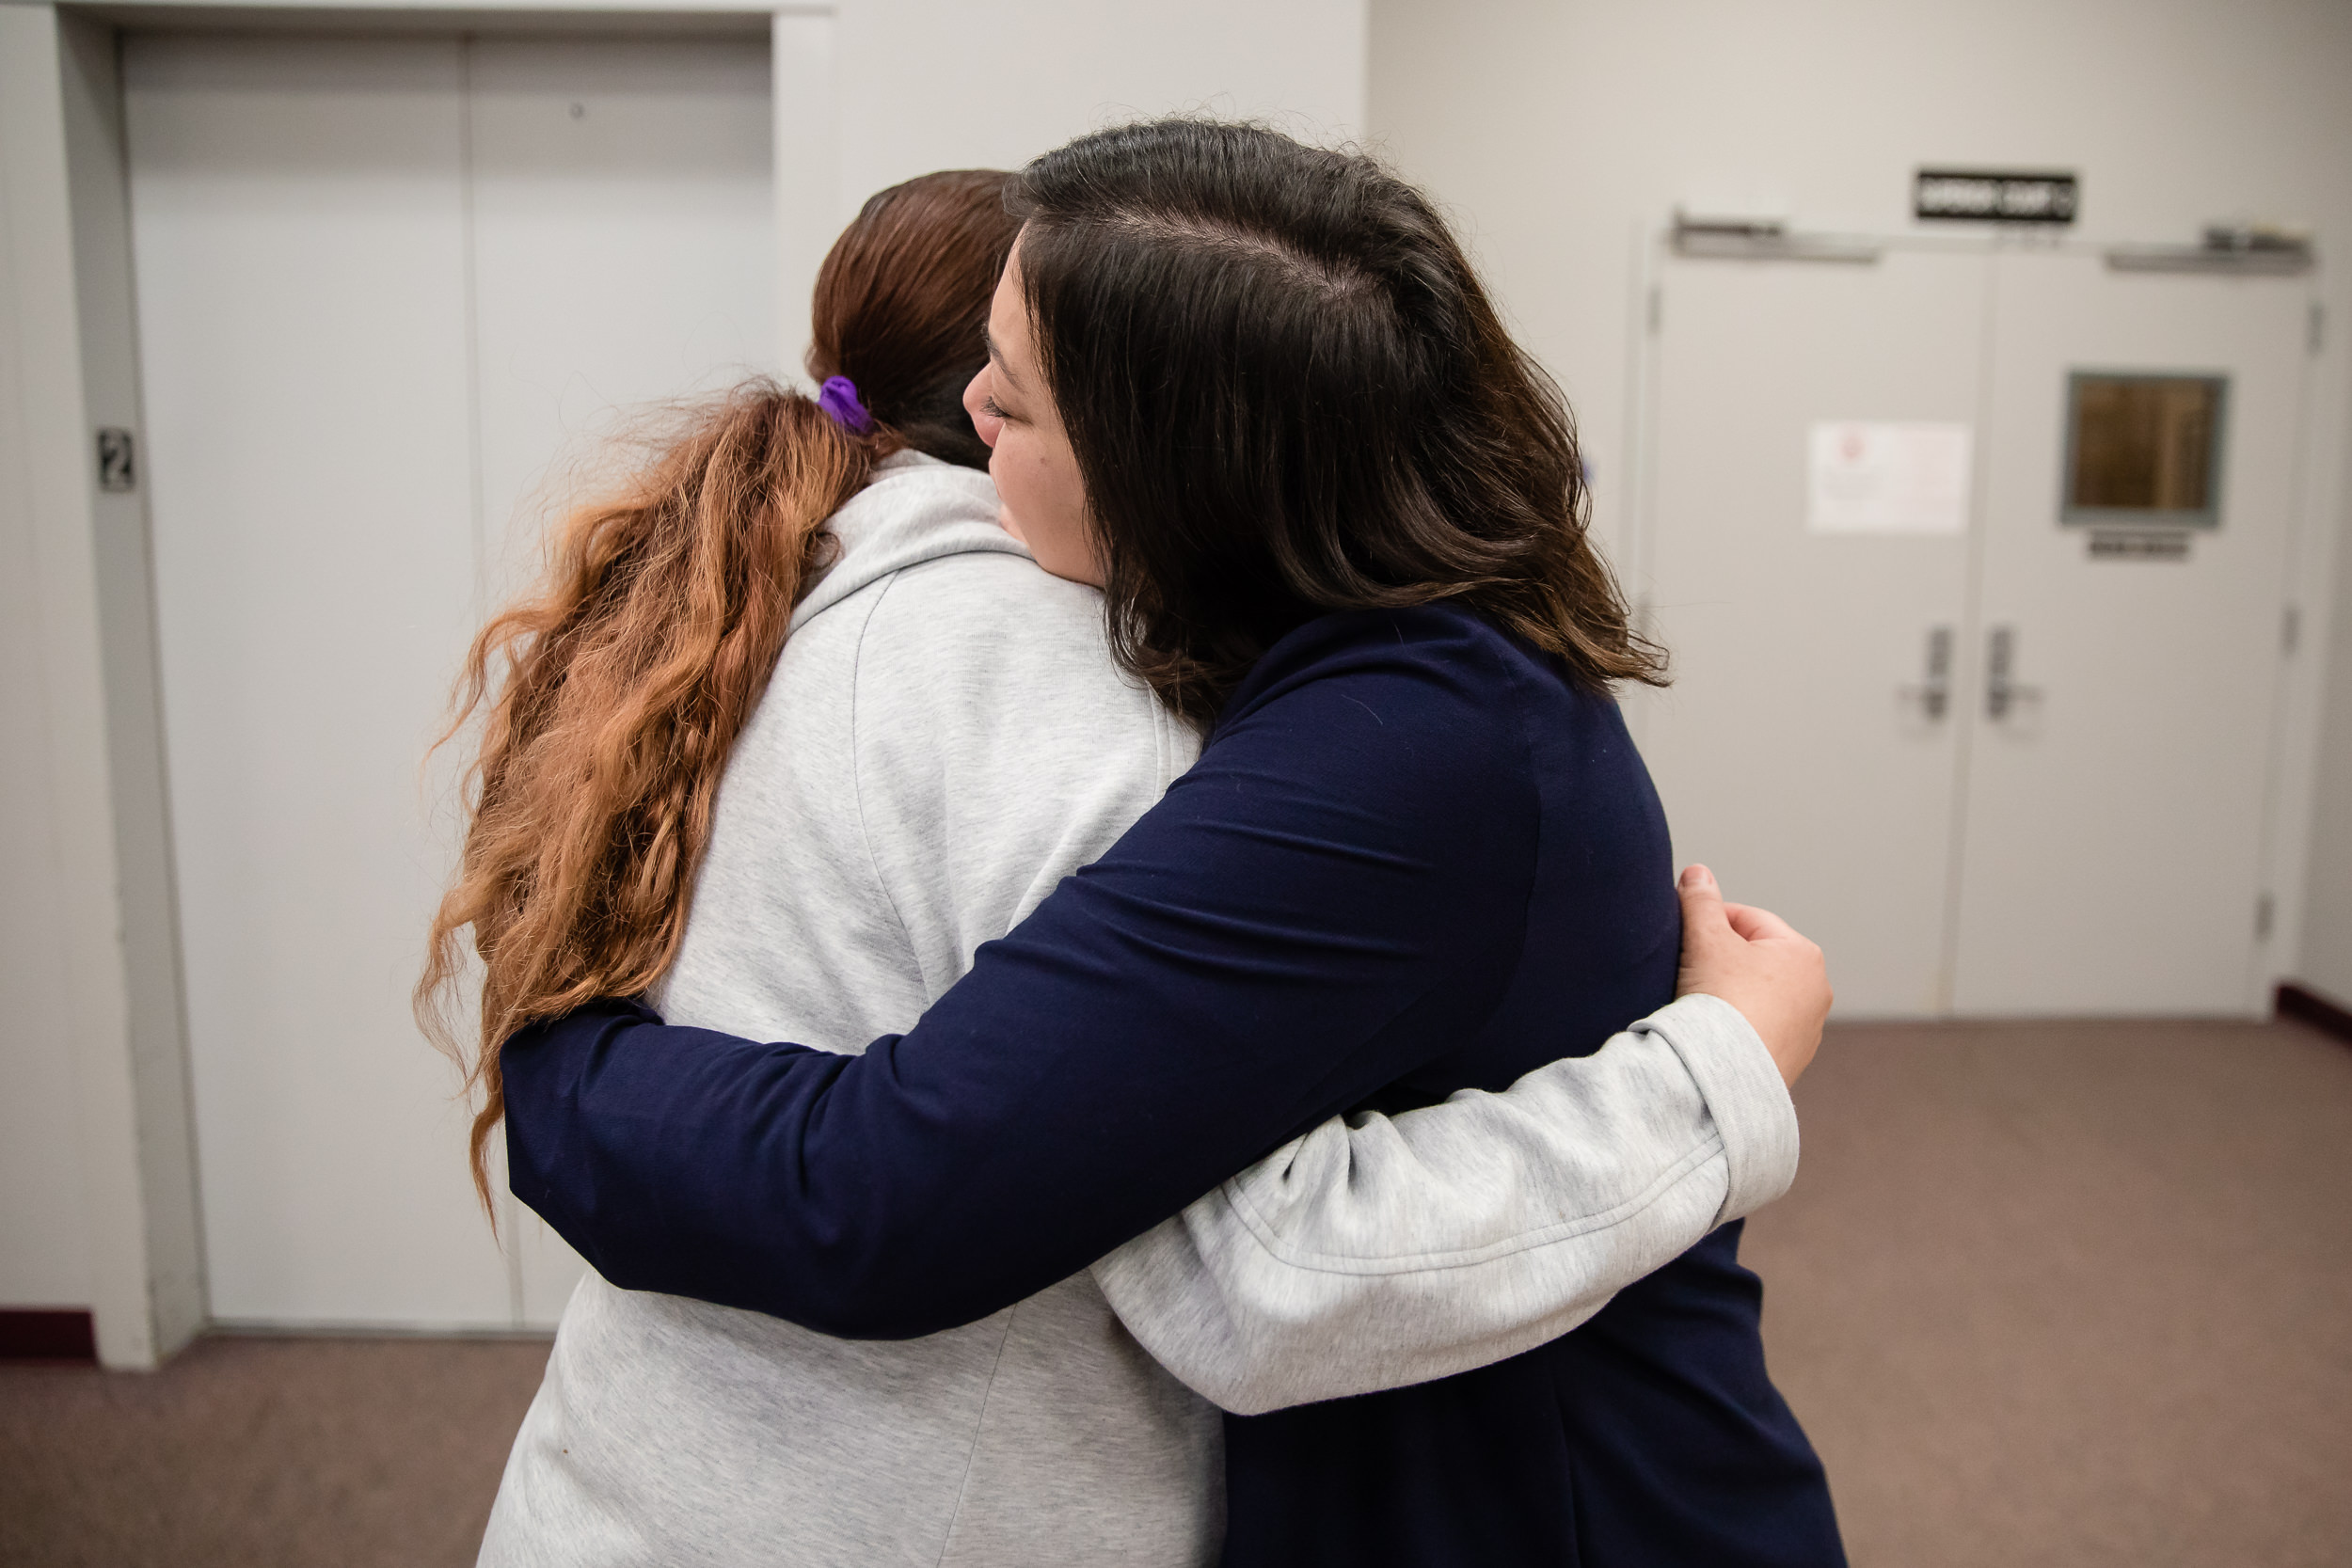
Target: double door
{"x":1995,"y":726}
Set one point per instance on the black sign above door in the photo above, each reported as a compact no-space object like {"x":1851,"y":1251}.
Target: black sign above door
{"x":1994,"y":196}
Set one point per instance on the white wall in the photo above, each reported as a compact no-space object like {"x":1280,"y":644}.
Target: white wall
{"x":932,"y":83}
{"x":1561,"y":133}
{"x":923,"y":84}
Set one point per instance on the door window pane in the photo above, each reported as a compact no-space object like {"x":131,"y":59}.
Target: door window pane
{"x":2144,"y":448}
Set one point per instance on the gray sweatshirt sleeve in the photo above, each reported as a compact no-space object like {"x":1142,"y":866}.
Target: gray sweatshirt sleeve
{"x":1379,"y":1251}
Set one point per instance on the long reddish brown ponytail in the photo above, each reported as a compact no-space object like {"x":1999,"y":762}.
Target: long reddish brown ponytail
{"x":612,"y":695}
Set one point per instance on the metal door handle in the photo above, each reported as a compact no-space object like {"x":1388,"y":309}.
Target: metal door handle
{"x":1934,"y":694}
{"x":2002,"y":691}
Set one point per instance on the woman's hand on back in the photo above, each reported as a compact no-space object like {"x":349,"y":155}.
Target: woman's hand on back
{"x":1758,"y":963}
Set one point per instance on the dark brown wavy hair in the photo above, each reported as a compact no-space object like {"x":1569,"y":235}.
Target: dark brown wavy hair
{"x":1288,"y":395}
{"x":612,"y":696}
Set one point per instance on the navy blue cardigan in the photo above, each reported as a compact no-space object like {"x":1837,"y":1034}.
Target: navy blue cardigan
{"x":1413,"y":858}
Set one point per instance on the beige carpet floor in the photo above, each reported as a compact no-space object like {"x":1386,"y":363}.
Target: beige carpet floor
{"x":263,"y":1453}
{"x":2073,"y":1295}
{"x":2047,"y":1297}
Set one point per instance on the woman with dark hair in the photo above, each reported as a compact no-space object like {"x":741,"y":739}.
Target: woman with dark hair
{"x":1255,"y":391}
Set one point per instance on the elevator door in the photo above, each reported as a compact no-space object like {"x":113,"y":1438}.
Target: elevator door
{"x":386,"y":285}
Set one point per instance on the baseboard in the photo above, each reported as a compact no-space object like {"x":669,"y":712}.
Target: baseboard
{"x":2306,"y":1006}
{"x":46,"y":1333}
{"x":279,"y":1328}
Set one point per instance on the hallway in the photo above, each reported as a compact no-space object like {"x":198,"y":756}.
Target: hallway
{"x":2046,"y":1296}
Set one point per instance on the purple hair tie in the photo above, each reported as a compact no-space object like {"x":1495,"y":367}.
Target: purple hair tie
{"x":839,"y":399}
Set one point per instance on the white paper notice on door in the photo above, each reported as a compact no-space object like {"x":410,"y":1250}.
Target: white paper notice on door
{"x":1887,"y":478}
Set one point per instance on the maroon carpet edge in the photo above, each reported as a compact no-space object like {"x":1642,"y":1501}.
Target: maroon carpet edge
{"x":42,"y":1333}
{"x":2306,"y":1006}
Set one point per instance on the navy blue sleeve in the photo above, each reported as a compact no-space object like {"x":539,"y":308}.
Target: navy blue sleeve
{"x":1334,"y":894}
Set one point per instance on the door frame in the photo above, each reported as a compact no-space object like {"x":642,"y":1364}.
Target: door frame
{"x":2291,"y":764}
{"x":66,"y":282}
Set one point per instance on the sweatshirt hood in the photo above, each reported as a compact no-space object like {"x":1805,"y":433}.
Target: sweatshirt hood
{"x":915,"y":509}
